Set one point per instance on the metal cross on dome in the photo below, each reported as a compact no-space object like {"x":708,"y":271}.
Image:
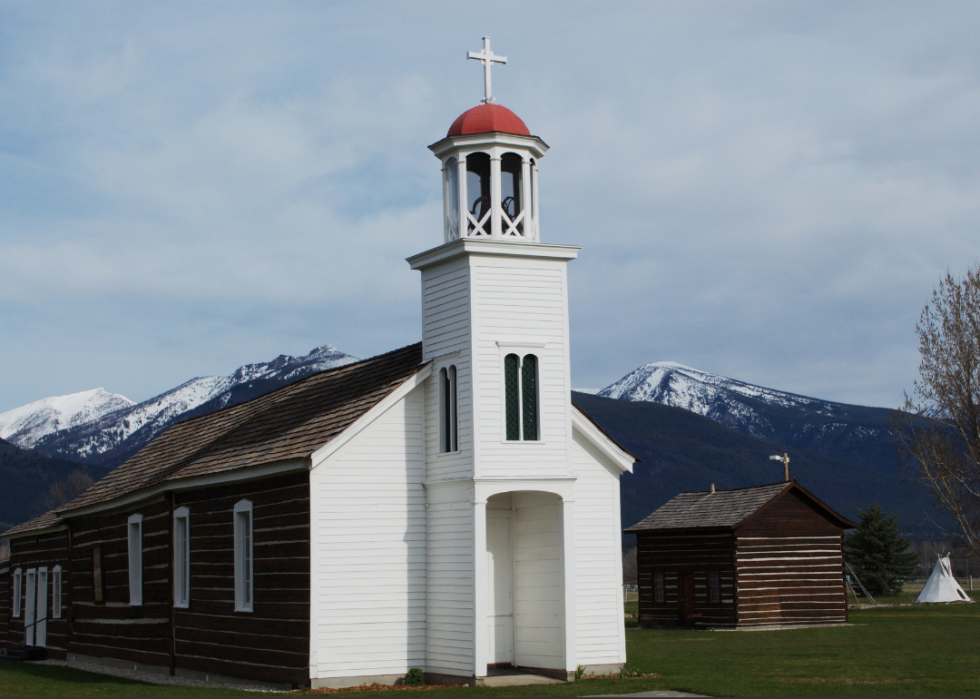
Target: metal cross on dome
{"x":487,"y":58}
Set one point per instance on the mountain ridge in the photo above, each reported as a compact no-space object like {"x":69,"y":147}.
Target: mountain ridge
{"x":110,"y":437}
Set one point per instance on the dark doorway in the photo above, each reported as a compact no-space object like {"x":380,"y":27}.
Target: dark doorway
{"x":685,"y":597}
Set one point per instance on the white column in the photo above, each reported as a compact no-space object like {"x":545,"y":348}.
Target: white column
{"x":534,"y":201}
{"x":463,"y":222}
{"x":526,"y":200}
{"x":481,"y":638}
{"x":495,"y":230}
{"x":568,"y":565}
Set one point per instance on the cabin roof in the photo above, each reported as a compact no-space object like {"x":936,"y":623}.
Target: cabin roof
{"x":724,"y":509}
{"x":288,"y":423}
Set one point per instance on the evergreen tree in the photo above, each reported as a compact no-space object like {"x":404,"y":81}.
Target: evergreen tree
{"x":879,"y":556}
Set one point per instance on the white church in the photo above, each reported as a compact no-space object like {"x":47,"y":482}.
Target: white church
{"x":443,"y":506}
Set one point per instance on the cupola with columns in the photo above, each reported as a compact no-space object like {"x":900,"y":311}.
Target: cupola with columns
{"x":489,"y":169}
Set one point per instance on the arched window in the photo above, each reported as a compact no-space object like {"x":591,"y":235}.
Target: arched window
{"x":18,"y":588}
{"x":136,"y":560}
{"x":448,"y":407}
{"x":521,"y":397}
{"x":243,"y":556}
{"x":450,"y":184}
{"x":478,"y":193}
{"x":511,"y":193}
{"x":182,"y":557}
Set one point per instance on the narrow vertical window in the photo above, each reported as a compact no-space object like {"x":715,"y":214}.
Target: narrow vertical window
{"x":97,"y":575}
{"x":529,"y":396}
{"x":182,"y":557}
{"x":41,"y":625}
{"x":454,"y":404}
{"x":513,"y":399}
{"x":136,"y":559}
{"x":30,"y":607}
{"x":449,"y":439}
{"x":18,"y":586}
{"x":658,"y":586}
{"x":243,"y":556}
{"x":714,"y":587}
{"x":56,"y":592}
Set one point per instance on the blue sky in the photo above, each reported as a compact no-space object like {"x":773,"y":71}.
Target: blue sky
{"x":768,"y":191}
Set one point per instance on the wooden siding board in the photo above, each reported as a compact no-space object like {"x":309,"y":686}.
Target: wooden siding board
{"x":369,"y":531}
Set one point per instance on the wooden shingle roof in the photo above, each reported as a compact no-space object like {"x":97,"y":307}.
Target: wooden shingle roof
{"x":45,"y":521}
{"x":288,"y":423}
{"x":722,"y":509}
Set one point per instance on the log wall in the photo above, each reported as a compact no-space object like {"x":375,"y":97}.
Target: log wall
{"x":680,"y":554}
{"x":113,"y":628}
{"x":790,"y":567}
{"x":45,"y":550}
{"x":271,"y":643}
{"x":6,"y":598}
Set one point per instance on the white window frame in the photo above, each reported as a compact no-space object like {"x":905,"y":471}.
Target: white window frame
{"x":134,"y":531}
{"x":182,"y":559}
{"x":30,"y":620}
{"x":244,"y":558}
{"x":18,"y":590}
{"x":56,"y":592}
{"x":448,"y":377}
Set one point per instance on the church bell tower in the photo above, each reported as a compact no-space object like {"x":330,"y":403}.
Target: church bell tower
{"x":498,"y":414}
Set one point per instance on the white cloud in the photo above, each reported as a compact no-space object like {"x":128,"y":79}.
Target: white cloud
{"x":768,"y":191}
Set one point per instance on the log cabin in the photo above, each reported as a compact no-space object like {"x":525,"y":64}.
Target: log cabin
{"x":765,"y":556}
{"x":443,"y":506}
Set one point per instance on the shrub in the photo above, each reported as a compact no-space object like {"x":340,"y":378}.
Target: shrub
{"x":415,"y":677}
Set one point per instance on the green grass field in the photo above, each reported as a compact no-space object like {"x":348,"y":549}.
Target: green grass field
{"x":888,"y":651}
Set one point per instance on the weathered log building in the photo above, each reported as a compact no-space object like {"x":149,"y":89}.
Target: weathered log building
{"x":769,"y":555}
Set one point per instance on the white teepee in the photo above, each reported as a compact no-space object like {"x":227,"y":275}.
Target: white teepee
{"x":942,"y":586}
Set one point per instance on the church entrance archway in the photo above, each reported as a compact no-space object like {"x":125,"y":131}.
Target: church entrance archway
{"x":525,"y":601}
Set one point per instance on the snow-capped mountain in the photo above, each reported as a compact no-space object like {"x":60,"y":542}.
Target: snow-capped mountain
{"x":25,"y":425}
{"x":112,"y":436}
{"x":769,"y":414}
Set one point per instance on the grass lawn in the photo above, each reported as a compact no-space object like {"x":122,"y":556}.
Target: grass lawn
{"x":888,"y":651}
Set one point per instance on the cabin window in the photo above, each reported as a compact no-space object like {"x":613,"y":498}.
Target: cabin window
{"x":243,"y":556}
{"x":450,"y":194}
{"x":18,"y":585}
{"x":511,"y":193}
{"x":97,"y":575}
{"x":478,"y":194}
{"x":521,"y":397}
{"x":31,"y":606}
{"x":714,"y":587}
{"x":658,"y":586}
{"x":136,"y":560}
{"x":182,"y":557}
{"x":449,"y":439}
{"x":56,"y":592}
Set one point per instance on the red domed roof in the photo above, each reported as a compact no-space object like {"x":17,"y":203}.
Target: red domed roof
{"x":487,"y":118}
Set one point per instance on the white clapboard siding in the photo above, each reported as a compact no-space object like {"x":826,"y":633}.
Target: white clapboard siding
{"x":598,"y":564}
{"x":538,"y":605}
{"x":368,"y":578}
{"x":521,"y":299}
{"x":446,"y":331}
{"x":450,"y":609}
